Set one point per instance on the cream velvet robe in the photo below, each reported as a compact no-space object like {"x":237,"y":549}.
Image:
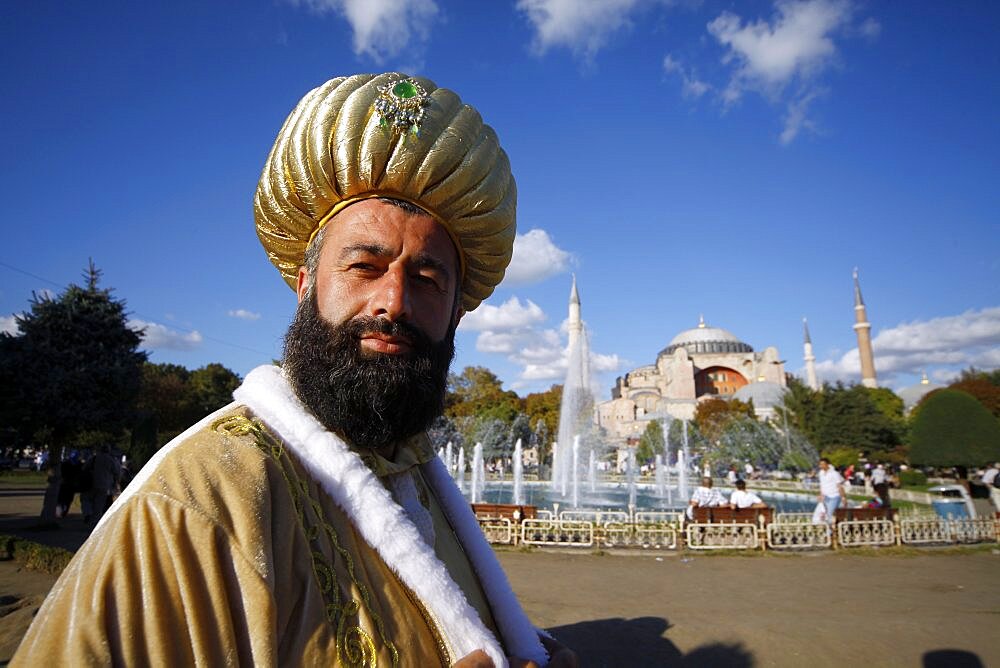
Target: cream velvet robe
{"x":259,"y":538}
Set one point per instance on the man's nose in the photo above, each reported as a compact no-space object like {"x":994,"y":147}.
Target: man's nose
{"x":391,"y":296}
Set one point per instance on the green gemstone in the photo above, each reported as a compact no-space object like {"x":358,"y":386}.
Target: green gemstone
{"x":405,"y":90}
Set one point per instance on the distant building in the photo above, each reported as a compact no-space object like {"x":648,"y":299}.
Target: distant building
{"x":912,"y":395}
{"x":697,"y":364}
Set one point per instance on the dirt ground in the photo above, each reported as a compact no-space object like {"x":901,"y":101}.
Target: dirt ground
{"x":929,"y":607}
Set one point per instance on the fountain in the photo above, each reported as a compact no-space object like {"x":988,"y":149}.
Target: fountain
{"x":576,"y":408}
{"x":577,"y":432}
{"x":478,"y":477}
{"x":576,"y":471}
{"x":630,"y":476}
{"x":461,"y":469}
{"x":661,"y":483}
{"x":518,"y":474}
{"x":592,"y":471}
{"x":682,"y":465}
{"x":448,"y":461}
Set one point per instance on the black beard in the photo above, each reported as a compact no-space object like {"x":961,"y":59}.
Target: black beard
{"x":370,"y":399}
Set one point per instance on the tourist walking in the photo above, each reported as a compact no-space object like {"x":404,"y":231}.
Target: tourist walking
{"x":831,"y":489}
{"x":106,"y":474}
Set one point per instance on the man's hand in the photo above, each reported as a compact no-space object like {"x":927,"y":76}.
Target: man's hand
{"x":478,"y":659}
{"x":559,"y":657}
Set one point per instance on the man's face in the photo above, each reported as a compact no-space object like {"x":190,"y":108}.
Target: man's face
{"x":369,"y":349}
{"x":823,"y":466}
{"x":381,"y":261}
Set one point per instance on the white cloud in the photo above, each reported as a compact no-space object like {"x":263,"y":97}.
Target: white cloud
{"x":244,"y":314}
{"x":514,"y":330}
{"x":8,"y":325}
{"x":948,"y":343}
{"x":155,"y":335}
{"x":870,"y":28}
{"x":536,"y":257}
{"x":795,"y":117}
{"x":582,"y":27}
{"x":691,"y":85}
{"x":512,"y":314}
{"x":382,"y":28}
{"x":794,"y":48}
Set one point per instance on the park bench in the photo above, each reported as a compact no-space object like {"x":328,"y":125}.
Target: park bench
{"x":722,"y":515}
{"x":505,"y":510}
{"x":727,"y":528}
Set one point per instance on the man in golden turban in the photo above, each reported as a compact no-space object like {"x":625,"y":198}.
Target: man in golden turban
{"x":310,"y":522}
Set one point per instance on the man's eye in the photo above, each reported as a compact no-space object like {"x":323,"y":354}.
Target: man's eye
{"x":429,"y":280}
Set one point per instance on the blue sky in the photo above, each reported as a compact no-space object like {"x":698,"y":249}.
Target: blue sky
{"x":735,"y":160}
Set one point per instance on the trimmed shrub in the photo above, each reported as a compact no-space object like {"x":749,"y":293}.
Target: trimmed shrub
{"x":911,"y":477}
{"x":33,"y":556}
{"x":952,"y":428}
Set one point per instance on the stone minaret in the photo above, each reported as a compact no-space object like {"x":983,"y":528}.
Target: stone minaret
{"x":810,"y":358}
{"x":575,"y":323}
{"x":577,"y":343}
{"x":863,"y":329}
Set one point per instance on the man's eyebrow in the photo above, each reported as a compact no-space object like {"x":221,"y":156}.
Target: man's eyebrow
{"x":426,"y":260}
{"x":421,"y":260}
{"x":371,"y":249}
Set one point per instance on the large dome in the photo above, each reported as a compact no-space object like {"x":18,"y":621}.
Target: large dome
{"x":704,"y":339}
{"x":912,"y":395}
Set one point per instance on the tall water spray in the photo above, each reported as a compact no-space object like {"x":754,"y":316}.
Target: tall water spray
{"x":475,"y":494}
{"x":661,"y":482}
{"x":592,"y":471}
{"x":518,"y":474}
{"x":461,"y":469}
{"x":449,"y":462}
{"x":630,"y":474}
{"x":682,"y":465}
{"x":575,"y":409}
{"x":576,"y":471}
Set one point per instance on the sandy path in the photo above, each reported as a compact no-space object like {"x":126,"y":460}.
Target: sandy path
{"x":814,"y":610}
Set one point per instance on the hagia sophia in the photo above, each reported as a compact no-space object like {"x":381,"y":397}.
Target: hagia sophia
{"x":709,"y":361}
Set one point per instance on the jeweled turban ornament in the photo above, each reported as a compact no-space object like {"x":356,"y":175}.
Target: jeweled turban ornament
{"x":389,"y":135}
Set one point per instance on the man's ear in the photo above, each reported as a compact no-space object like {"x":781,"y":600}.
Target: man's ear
{"x":303,"y":283}
{"x":459,"y":312}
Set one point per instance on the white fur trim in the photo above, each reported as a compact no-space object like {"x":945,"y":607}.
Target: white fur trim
{"x":379,"y":520}
{"x":520,"y":636}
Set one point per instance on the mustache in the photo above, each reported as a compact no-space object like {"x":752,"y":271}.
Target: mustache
{"x":359,"y":326}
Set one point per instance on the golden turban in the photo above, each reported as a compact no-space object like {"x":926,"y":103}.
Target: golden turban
{"x":389,"y":135}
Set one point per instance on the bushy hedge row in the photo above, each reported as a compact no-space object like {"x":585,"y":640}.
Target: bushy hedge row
{"x":911,"y":477}
{"x":34,"y":556}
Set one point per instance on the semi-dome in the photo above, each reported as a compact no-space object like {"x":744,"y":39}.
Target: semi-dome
{"x":704,"y":339}
{"x":765,"y":395}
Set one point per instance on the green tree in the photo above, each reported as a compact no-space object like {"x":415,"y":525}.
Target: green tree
{"x":545,"y":406}
{"x":78,"y":369}
{"x":651,"y":442}
{"x":477,"y":392}
{"x":540,"y":439}
{"x":849,"y":417}
{"x":212,"y":388}
{"x":713,"y":415}
{"x":952,"y":429}
{"x":984,"y":386}
{"x":173,"y":398}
